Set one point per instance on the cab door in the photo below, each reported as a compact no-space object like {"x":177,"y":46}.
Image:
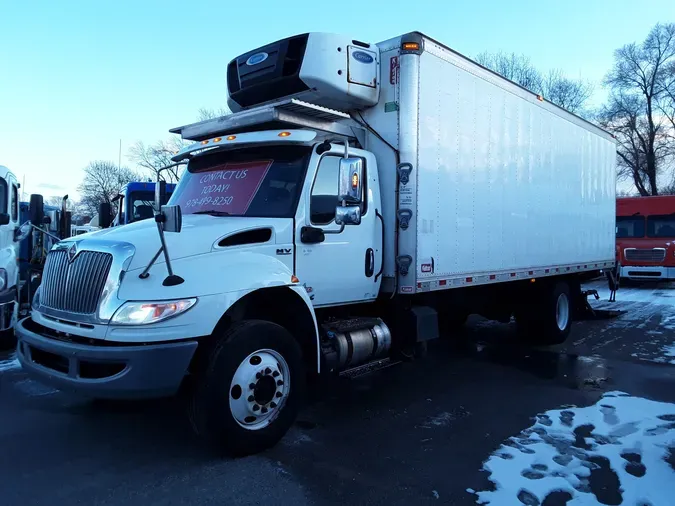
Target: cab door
{"x":338,"y":264}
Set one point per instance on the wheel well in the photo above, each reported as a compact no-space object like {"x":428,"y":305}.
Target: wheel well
{"x":282,"y":306}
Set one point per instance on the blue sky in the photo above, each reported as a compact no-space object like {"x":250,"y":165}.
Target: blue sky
{"x":78,"y":76}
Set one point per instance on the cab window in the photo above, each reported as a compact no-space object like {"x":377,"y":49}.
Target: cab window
{"x":15,"y":203}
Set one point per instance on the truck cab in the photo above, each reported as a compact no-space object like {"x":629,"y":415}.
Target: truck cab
{"x":135,"y":202}
{"x":645,"y":237}
{"x":9,"y":253}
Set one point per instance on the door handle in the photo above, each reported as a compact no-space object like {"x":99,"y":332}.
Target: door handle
{"x":370,"y":262}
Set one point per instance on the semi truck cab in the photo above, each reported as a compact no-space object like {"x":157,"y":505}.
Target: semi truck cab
{"x":135,"y":202}
{"x":9,"y":252}
{"x":645,"y":237}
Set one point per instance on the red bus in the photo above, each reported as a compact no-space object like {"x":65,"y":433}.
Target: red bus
{"x":645,"y":237}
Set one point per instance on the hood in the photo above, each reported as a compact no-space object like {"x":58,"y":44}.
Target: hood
{"x":200,"y":234}
{"x":645,"y":243}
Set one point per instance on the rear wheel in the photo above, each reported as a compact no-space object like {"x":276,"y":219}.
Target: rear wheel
{"x":251,"y":391}
{"x":547,"y":317}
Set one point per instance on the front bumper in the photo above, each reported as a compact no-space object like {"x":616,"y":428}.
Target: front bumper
{"x":656,"y":272}
{"x":103,"y":370}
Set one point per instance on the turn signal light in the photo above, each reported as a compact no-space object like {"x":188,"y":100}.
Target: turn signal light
{"x":355,"y":181}
{"x":294,"y":279}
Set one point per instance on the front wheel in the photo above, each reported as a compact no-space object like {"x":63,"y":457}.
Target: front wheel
{"x":251,"y":391}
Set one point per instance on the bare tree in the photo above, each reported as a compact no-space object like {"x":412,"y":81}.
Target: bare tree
{"x":517,"y":68}
{"x":570,"y":94}
{"x":204,"y":113}
{"x":157,"y":156}
{"x":637,"y":86}
{"x":102,"y":183}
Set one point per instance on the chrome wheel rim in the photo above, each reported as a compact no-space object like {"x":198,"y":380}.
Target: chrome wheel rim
{"x":259,"y":389}
{"x":562,"y":311}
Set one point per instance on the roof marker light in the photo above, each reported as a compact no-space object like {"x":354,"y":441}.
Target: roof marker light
{"x":231,"y":137}
{"x":217,"y":139}
{"x":205,"y":142}
{"x":284,"y":134}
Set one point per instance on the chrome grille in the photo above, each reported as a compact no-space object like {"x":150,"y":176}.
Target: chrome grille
{"x":74,"y":286}
{"x":645,"y":255}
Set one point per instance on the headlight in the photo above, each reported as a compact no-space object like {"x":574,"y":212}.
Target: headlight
{"x":141,"y":313}
{"x":3,"y":279}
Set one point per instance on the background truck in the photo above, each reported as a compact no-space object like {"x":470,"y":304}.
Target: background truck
{"x":645,"y":237}
{"x":361,"y":200}
{"x":135,"y":202}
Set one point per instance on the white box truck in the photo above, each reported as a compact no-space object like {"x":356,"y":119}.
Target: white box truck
{"x":361,"y":199}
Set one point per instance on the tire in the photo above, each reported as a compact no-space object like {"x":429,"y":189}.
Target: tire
{"x":224,"y":408}
{"x":547,"y":319}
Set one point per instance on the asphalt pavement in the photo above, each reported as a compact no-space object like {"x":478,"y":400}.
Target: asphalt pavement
{"x":430,"y":431}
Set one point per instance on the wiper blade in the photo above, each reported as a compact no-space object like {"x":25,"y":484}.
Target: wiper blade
{"x":213,"y":212}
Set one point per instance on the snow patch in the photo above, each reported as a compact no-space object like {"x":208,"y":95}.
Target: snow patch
{"x":9,"y":364}
{"x":33,"y":388}
{"x":444,"y":418}
{"x":615,"y":450}
{"x":662,"y":295}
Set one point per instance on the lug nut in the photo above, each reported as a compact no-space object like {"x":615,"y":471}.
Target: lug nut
{"x":258,"y":375}
{"x":268,"y":370}
{"x":279,"y":383}
{"x":251,"y":398}
{"x":256,"y":408}
{"x":263,"y":410}
{"x":275,"y":374}
{"x":279,"y":394}
{"x":252,"y":386}
{"x":273,"y":405}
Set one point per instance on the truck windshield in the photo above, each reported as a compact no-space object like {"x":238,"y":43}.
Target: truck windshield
{"x":630,"y":226}
{"x":661,"y":226}
{"x":255,"y":182}
{"x":141,"y":205}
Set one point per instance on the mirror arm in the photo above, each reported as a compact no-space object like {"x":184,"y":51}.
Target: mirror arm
{"x":338,"y":231}
{"x":45,"y":232}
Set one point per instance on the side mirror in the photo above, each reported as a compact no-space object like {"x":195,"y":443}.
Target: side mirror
{"x":36,"y":209}
{"x":4,"y":219}
{"x":349,"y":180}
{"x":22,"y":232}
{"x":311,"y":235}
{"x":160,"y":194}
{"x":348,"y":215}
{"x":104,"y":214}
{"x":172,"y":218}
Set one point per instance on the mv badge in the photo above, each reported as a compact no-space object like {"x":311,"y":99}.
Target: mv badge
{"x":72,"y":253}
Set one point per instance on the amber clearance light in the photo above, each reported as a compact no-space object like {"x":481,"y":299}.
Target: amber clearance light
{"x":411,"y":46}
{"x":284,"y":134}
{"x":231,"y":137}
